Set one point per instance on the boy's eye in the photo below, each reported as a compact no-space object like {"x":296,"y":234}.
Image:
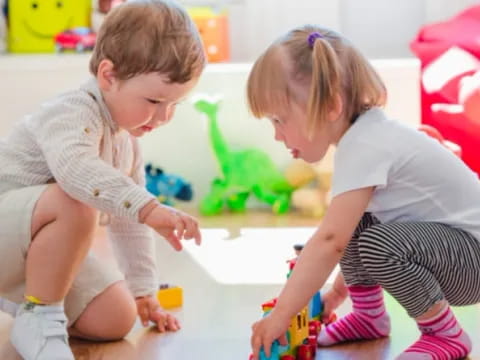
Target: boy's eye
{"x":153,"y":101}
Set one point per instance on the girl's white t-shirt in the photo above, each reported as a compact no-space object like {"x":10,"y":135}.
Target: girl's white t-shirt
{"x":415,"y":177}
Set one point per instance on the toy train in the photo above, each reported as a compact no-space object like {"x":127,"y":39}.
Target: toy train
{"x":304,"y":328}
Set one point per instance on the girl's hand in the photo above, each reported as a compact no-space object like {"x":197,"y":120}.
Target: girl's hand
{"x":174,"y":225}
{"x":149,"y":310}
{"x":266,"y":331}
{"x":331,"y":300}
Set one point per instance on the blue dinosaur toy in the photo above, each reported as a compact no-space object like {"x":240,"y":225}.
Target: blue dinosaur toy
{"x":167,"y":187}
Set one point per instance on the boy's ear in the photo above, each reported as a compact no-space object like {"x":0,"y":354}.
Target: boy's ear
{"x":106,"y":75}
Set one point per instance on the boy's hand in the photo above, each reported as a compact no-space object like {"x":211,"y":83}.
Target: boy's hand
{"x":149,"y":310}
{"x":174,"y":225}
{"x":266,"y":331}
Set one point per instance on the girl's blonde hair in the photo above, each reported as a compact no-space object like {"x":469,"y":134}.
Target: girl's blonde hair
{"x":146,"y":36}
{"x":329,"y":64}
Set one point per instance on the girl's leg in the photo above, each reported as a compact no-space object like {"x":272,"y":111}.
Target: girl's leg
{"x":368,"y":320}
{"x":62,"y":231}
{"x":424,"y":266}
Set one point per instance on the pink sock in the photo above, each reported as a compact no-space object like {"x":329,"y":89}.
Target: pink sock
{"x":442,"y":339}
{"x":368,"y":320}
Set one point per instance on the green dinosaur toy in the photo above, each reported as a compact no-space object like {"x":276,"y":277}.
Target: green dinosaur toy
{"x":243,"y":172}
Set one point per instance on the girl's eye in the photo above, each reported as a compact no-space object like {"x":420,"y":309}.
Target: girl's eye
{"x":152,"y":101}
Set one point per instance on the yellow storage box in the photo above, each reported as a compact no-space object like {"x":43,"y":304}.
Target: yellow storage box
{"x":34,"y":23}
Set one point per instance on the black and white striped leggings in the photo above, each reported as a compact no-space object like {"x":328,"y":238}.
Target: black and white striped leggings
{"x":418,"y":263}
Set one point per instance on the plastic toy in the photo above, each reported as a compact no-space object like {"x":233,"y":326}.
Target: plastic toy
{"x":243,"y":172}
{"x":449,"y":52}
{"x":3,"y":26}
{"x":100,"y":9}
{"x":33,"y":24}
{"x":106,"y":5}
{"x":167,"y":187}
{"x":213,"y":28}
{"x":302,"y":333}
{"x":170,"y":296}
{"x":312,"y":187}
{"x":304,"y":328}
{"x":79,"y":39}
{"x":469,"y":96}
{"x":434,"y":133}
{"x":298,"y":249}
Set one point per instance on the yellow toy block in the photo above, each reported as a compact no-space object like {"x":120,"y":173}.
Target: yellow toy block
{"x":34,"y":23}
{"x":299,"y":328}
{"x":170,"y":296}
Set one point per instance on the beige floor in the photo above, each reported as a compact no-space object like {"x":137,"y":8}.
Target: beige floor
{"x":240,"y":265}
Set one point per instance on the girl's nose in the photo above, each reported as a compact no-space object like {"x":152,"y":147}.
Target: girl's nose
{"x":279,"y":136}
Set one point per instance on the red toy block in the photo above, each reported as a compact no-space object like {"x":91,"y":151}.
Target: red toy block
{"x":312,"y":341}
{"x":314,"y":327}
{"x":304,"y":352}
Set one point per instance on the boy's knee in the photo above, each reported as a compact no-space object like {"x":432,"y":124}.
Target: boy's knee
{"x":122,"y":322}
{"x":110,"y":316}
{"x":120,"y":325}
{"x":75,"y":211}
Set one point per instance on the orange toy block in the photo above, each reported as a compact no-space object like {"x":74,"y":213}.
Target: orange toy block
{"x":213,"y":29}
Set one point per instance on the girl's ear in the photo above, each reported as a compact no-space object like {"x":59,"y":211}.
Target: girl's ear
{"x":336,"y":109}
{"x":106,"y":75}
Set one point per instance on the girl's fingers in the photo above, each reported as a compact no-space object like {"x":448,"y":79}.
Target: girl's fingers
{"x":256,"y":344}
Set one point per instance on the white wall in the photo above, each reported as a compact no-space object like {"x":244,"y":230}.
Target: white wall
{"x":256,"y":23}
{"x":182,"y":147}
{"x":379,"y":28}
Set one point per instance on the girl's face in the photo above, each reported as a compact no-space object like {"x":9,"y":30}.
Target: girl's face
{"x":290,"y":128}
{"x":290,"y":125}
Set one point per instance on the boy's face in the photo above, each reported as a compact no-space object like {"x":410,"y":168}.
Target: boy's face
{"x":144,"y":102}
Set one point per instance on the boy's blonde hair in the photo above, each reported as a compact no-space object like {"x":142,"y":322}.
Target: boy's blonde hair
{"x":144,"y":36}
{"x":331,"y":67}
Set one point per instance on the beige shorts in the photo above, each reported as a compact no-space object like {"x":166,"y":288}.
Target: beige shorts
{"x":16,"y":209}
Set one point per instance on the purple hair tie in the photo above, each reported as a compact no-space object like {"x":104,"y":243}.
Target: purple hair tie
{"x":312,"y":37}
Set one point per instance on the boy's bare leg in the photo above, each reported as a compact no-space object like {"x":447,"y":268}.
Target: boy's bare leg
{"x":62,"y":233}
{"x":110,"y":315}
